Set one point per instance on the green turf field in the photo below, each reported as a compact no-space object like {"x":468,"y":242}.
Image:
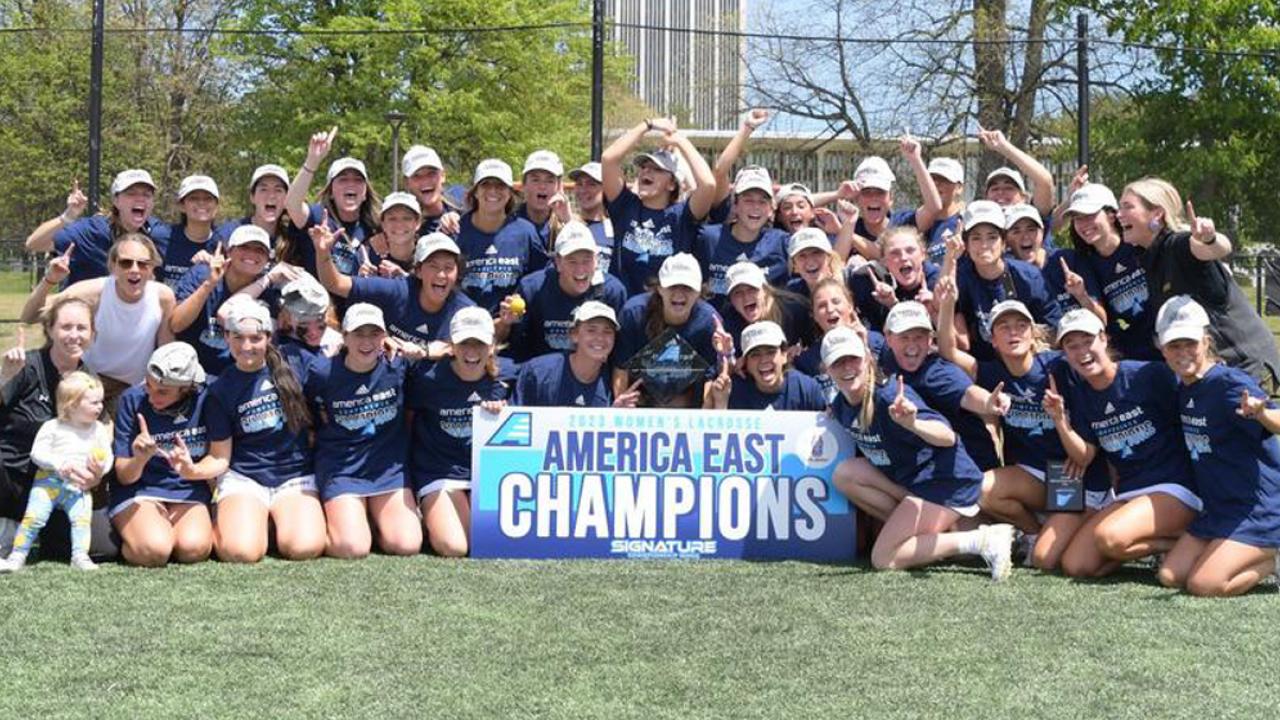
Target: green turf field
{"x":423,"y":637}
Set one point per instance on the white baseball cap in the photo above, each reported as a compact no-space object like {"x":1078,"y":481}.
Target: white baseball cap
{"x":1078,"y":320}
{"x":493,"y":168}
{"x":192,"y":183}
{"x":842,"y":341}
{"x":129,"y":178}
{"x":1181,"y":318}
{"x":1014,"y":213}
{"x":304,"y":297}
{"x":418,"y":157}
{"x":983,"y":212}
{"x":753,"y":178}
{"x":247,"y":315}
{"x":1007,"y":172}
{"x":574,"y":237}
{"x":268,"y":170}
{"x":400,"y":199}
{"x":592,"y":309}
{"x":805,"y":238}
{"x":337,"y":167}
{"x":175,"y":364}
{"x":249,"y":233}
{"x":543,"y":160}
{"x":1007,"y":306}
{"x":947,"y":168}
{"x":664,"y":159}
{"x":471,"y":323}
{"x":765,"y":333}
{"x":745,"y":273}
{"x":790,"y":189}
{"x":432,"y":243}
{"x":592,"y":170}
{"x":874,"y":172}
{"x":361,"y":315}
{"x":1090,"y":198}
{"x":907,"y":315}
{"x":680,"y":269}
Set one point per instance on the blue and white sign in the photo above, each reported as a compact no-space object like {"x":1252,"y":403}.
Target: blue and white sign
{"x":599,"y":482}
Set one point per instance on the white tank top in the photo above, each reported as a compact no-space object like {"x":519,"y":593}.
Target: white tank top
{"x":124,"y":333}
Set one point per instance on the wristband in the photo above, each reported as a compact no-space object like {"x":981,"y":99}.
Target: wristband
{"x":50,"y":284}
{"x":1211,"y":240}
{"x":66,"y":219}
{"x":310,"y":170}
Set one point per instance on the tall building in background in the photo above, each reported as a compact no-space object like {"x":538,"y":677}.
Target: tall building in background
{"x":694,"y":76}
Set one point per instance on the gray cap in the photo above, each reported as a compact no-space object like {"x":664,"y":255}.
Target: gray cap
{"x":305,"y":298}
{"x":175,"y":364}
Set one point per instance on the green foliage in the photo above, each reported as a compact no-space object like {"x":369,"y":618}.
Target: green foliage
{"x":1205,"y":121}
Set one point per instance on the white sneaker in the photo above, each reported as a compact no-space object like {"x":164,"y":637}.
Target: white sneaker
{"x":82,"y":562}
{"x":997,"y":550}
{"x":11,"y":564}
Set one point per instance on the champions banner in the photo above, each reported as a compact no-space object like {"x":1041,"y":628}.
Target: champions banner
{"x":603,"y":483}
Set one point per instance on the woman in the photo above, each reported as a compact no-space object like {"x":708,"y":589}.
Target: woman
{"x":795,"y":208}
{"x":752,"y":299}
{"x":1095,"y":233}
{"x":653,"y":224}
{"x":160,"y":427}
{"x":909,"y":275}
{"x":1024,"y":364}
{"x":1184,"y":257}
{"x":268,"y":187}
{"x":133,"y":199}
{"x":442,"y":396}
{"x":360,"y":441}
{"x":191,"y":238}
{"x":674,"y":306}
{"x":915,"y":475}
{"x":948,"y":177}
{"x":768,"y":383}
{"x":28,"y":386}
{"x":552,"y":294}
{"x":347,"y":202}
{"x":399,"y":221}
{"x":588,"y":195}
{"x":500,"y":247}
{"x":1230,"y":429}
{"x":1005,"y":185}
{"x":832,"y":307}
{"x":579,"y":377}
{"x":747,"y":238}
{"x":540,"y":188}
{"x":259,"y":422}
{"x":425,"y":177}
{"x":872,"y":190}
{"x":418,"y":308}
{"x":811,"y":259}
{"x":199,"y":317}
{"x":1128,"y":412}
{"x":1068,"y":278}
{"x":131,"y":312}
{"x":985,"y":276}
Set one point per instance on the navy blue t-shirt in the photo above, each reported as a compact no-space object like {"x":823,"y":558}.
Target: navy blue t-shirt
{"x":943,"y":385}
{"x":548,"y":381}
{"x":935,"y":246}
{"x":205,"y":333}
{"x":1131,"y":322}
{"x":896,"y":218}
{"x":93,"y":240}
{"x":871,"y":311}
{"x":1057,"y":282}
{"x":645,"y":238}
{"x":602,"y":231}
{"x":398,"y":299}
{"x":346,"y":250}
{"x":177,"y":257}
{"x":716,"y":249}
{"x":543,"y":228}
{"x":442,"y":405}
{"x":809,"y":362}
{"x":976,"y":296}
{"x":361,"y":434}
{"x":549,"y":311}
{"x":497,"y":261}
{"x":246,"y":408}
{"x":1135,"y":422}
{"x":798,"y":392}
{"x":797,"y":322}
{"x":698,"y":330}
{"x":158,"y":479}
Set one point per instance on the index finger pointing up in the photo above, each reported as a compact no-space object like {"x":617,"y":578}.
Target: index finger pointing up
{"x":1053,"y":385}
{"x":142,"y":425}
{"x":900,"y":387}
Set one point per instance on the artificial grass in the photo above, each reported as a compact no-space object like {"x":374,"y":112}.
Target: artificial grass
{"x":425,"y":637}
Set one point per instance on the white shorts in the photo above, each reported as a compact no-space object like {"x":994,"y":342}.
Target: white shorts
{"x":1034,"y":472}
{"x":966,"y":511}
{"x":1093,"y":499}
{"x":233,"y":483}
{"x":438,"y":485}
{"x":134,"y":501}
{"x":1180,"y":492}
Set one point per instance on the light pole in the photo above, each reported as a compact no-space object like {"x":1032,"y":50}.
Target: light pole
{"x":395,"y":118}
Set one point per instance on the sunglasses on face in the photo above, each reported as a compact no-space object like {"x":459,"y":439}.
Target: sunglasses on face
{"x":130,"y":263}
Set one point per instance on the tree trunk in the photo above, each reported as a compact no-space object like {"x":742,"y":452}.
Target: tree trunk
{"x":989,"y":71}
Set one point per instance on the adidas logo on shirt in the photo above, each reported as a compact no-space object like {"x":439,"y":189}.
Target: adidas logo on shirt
{"x":1120,"y":267}
{"x":742,"y":257}
{"x":491,"y":251}
{"x":180,"y":418}
{"x":265,"y":386}
{"x":362,"y":390}
{"x":475,"y":398}
{"x":580,"y":401}
{"x":422,"y":329}
{"x":1109,"y":409}
{"x":1191,"y":403}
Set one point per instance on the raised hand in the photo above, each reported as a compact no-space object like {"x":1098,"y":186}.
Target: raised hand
{"x":954,"y":242}
{"x":909,"y":146}
{"x":664,"y":125}
{"x":755,"y":118}
{"x":16,"y":357}
{"x":723,"y":382}
{"x":322,"y":236}
{"x":76,"y":203}
{"x":367,"y":269}
{"x":1071,"y":280}
{"x":826,"y":220}
{"x":450,"y":223}
{"x":903,"y":411}
{"x":560,"y":207}
{"x":882,"y":291}
{"x":320,"y":145}
{"x":945,"y":291}
{"x":1251,"y":407}
{"x":180,"y":458}
{"x":849,"y":190}
{"x":144,"y":445}
{"x":1202,"y":229}
{"x":283,"y":273}
{"x":1052,"y":402}
{"x":59,"y":266}
{"x":721,"y":340}
{"x":217,"y":266}
{"x":998,"y":401}
{"x":1079,"y":180}
{"x":992,"y":139}
{"x":630,"y":397}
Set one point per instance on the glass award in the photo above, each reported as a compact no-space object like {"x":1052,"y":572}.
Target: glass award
{"x":668,"y":365}
{"x":1062,"y":492}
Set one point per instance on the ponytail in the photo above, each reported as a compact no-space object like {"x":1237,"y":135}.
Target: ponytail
{"x":867,"y":413}
{"x":654,"y":323}
{"x":296,"y":412}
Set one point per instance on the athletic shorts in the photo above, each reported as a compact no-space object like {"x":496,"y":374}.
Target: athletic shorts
{"x":233,"y":483}
{"x":442,"y":484}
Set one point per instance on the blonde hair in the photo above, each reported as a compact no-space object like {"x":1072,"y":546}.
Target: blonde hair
{"x":834,"y":264}
{"x":113,"y":254}
{"x":899,"y":231}
{"x":71,"y":388}
{"x":871,"y":369}
{"x":1158,"y":194}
